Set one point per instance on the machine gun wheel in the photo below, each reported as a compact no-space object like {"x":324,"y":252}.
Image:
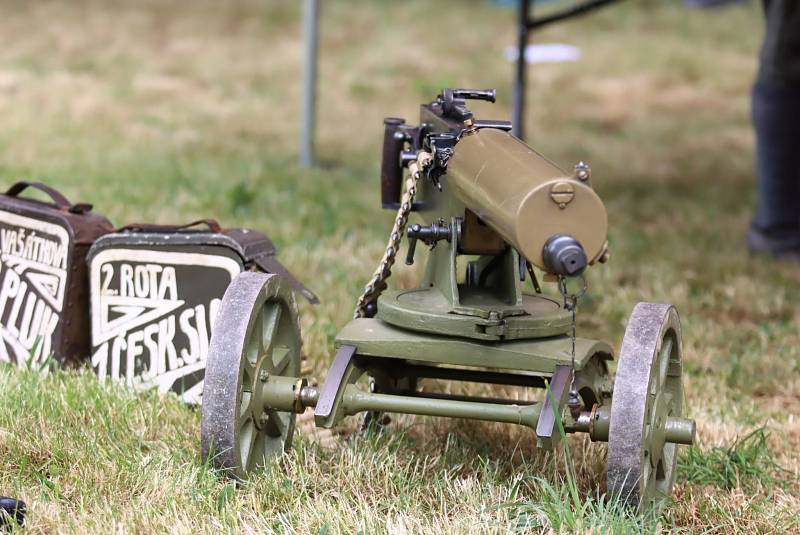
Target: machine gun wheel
{"x":256,"y":336}
{"x":646,"y":409}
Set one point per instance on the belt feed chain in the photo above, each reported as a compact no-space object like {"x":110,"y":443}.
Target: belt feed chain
{"x":571,"y":304}
{"x":377,"y":283}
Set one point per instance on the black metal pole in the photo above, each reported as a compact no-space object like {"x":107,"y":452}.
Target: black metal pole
{"x":568,"y":13}
{"x":517,"y":120}
{"x":309,"y":123}
{"x":524,"y":27}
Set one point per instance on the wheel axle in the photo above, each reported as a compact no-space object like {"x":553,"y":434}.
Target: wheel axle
{"x":596,"y":423}
{"x":680,"y":430}
{"x":296,"y":395}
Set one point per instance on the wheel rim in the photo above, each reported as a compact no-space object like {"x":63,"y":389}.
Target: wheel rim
{"x":256,"y":334}
{"x":647,"y":391}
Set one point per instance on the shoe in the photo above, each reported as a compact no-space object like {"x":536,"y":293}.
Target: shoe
{"x":785,"y":247}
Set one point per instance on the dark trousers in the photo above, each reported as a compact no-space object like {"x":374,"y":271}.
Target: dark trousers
{"x":780,"y":55}
{"x":776,"y":119}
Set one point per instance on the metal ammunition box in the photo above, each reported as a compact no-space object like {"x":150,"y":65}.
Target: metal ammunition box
{"x":154,"y":295}
{"x":44,"y":299}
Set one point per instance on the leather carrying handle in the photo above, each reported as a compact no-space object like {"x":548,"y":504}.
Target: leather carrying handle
{"x":212,"y":225}
{"x":58,"y":199}
{"x":267,"y":263}
{"x":270,"y":264}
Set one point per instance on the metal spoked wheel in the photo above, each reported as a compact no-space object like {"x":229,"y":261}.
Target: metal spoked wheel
{"x":647,"y":394}
{"x":256,"y":335}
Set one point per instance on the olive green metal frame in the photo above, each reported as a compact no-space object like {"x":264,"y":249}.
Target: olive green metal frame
{"x":397,"y":372}
{"x":287,"y":394}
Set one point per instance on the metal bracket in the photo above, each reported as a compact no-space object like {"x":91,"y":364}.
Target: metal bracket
{"x":547,"y":435}
{"x":334,"y":383}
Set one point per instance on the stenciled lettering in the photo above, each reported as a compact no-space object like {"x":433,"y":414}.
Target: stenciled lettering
{"x":27,"y":317}
{"x":20,"y":243}
{"x":144,"y":281}
{"x":152,"y":349}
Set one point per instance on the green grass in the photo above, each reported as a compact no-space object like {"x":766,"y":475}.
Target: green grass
{"x":169,"y":112}
{"x":747,"y":463}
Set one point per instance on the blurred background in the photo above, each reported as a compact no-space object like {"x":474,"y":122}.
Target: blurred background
{"x":166,"y":112}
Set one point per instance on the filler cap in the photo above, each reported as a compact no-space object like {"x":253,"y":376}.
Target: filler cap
{"x":564,"y":255}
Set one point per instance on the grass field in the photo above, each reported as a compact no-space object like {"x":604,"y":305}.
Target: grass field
{"x":167,"y":112}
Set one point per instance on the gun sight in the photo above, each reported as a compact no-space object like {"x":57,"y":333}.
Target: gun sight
{"x":489,"y":95}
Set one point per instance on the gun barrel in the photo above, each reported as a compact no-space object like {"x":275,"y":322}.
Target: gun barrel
{"x":524,"y":197}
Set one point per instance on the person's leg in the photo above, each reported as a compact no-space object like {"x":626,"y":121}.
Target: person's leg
{"x":775,"y":228}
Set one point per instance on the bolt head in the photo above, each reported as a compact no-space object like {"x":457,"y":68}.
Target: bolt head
{"x":562,"y":193}
{"x":263,"y":376}
{"x":582,"y":171}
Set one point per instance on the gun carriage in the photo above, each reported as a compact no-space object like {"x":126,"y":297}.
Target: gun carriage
{"x":491,"y":210}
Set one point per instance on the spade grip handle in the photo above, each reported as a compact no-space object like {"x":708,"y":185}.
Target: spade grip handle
{"x":391,"y":167}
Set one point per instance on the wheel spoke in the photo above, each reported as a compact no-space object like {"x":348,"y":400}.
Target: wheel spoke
{"x":248,"y":375}
{"x":245,"y":408}
{"x":254,"y":342}
{"x":666,"y":347}
{"x":281,"y":359}
{"x":647,"y":472}
{"x":668,"y":459}
{"x":247,"y":435}
{"x":256,"y":452}
{"x":668,"y":407}
{"x":649,"y":484}
{"x":270,"y":320}
{"x":664,"y":360}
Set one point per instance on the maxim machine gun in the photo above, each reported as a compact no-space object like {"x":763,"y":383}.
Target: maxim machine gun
{"x":491,"y":210}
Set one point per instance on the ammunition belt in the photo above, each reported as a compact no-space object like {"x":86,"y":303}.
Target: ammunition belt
{"x":377,"y":284}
